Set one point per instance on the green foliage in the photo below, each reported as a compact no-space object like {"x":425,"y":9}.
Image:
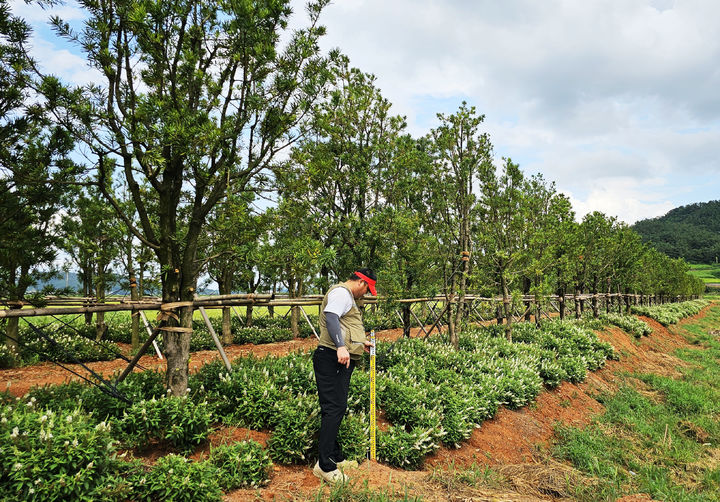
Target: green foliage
{"x":629,"y":324}
{"x":178,"y":479}
{"x":136,"y":386}
{"x":380,"y":319}
{"x":48,"y":455}
{"x":708,"y":273}
{"x":296,"y":425}
{"x":431,"y":393}
{"x":671,"y":313}
{"x":9,"y":357}
{"x":645,"y":439}
{"x":74,"y":343}
{"x":262,"y":335}
{"x":354,"y":436}
{"x":174,"y":421}
{"x":401,"y":448}
{"x":240,"y":464}
{"x":691,"y":232}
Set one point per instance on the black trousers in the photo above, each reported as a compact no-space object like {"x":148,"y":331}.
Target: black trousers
{"x":333,"y":382}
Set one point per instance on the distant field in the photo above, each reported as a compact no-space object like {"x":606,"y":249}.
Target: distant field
{"x":708,"y":273}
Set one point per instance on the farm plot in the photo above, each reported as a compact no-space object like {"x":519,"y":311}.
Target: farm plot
{"x":430,"y":396}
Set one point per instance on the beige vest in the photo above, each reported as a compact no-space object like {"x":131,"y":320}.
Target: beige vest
{"x":350,"y":324}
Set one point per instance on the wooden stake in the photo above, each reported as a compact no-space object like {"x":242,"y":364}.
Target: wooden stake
{"x":149,"y":331}
{"x":215,"y":338}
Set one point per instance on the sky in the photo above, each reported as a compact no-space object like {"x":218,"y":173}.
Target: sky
{"x":615,"y":101}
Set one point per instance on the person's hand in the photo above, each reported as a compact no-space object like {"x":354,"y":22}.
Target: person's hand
{"x":343,"y":356}
{"x":368,"y":344}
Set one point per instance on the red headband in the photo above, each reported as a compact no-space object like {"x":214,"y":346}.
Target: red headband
{"x":370,"y":282}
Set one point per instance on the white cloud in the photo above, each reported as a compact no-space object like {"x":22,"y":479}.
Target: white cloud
{"x":598,"y":96}
{"x":32,"y":13}
{"x":61,"y":62}
{"x":622,"y":198}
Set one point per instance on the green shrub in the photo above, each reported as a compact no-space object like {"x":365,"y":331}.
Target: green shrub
{"x":294,"y":436}
{"x":177,"y":479}
{"x":380,"y":320}
{"x":175,"y":421}
{"x":245,"y":463}
{"x":48,"y":455}
{"x":354,"y":436}
{"x":136,"y":387}
{"x":68,"y":345}
{"x":400,"y":448}
{"x":457,"y":416}
{"x":9,"y":357}
{"x":258,"y":335}
{"x":671,"y":313}
{"x":629,"y":324}
{"x":247,"y":398}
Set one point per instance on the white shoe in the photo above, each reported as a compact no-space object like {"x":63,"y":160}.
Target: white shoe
{"x":331,"y":477}
{"x":347,"y":464}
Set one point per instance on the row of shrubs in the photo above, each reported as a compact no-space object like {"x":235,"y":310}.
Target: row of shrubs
{"x":628,"y":323}
{"x":66,"y":454}
{"x":671,"y":313}
{"x":431,"y":394}
{"x":62,"y":442}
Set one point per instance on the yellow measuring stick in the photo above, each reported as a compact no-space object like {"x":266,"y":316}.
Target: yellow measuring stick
{"x":373,"y":425}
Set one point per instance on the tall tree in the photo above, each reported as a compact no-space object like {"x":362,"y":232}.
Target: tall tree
{"x":232,"y":245}
{"x":408,"y":250}
{"x":91,"y":235}
{"x":342,"y":165}
{"x":505,"y":232}
{"x":462,"y":157}
{"x":197,"y":98}
{"x":295,"y":255}
{"x":34,"y":166}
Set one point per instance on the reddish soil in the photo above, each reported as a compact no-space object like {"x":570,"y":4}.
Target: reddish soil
{"x":512,"y":442}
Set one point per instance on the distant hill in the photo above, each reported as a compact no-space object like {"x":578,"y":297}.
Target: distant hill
{"x":72,"y":280}
{"x":691,"y":232}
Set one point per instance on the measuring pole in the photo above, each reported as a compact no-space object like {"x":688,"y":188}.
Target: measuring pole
{"x":373,"y":418}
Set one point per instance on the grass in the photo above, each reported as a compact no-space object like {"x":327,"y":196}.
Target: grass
{"x":351,"y":492}
{"x":151,"y":314}
{"x":660,"y":436}
{"x":706,"y":272}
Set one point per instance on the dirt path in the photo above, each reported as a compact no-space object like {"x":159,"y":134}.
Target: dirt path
{"x":514,"y":441}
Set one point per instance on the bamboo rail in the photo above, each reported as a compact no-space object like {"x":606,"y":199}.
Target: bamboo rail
{"x":67,"y":305}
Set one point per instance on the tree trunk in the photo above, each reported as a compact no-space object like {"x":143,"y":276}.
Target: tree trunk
{"x":224,"y":283}
{"x":100,"y":326}
{"x":135,"y":318}
{"x":295,"y":291}
{"x":227,"y":337}
{"x":595,"y":306}
{"x":249,"y":315}
{"x":176,"y":346}
{"x":528,"y":303}
{"x":87,"y":292}
{"x":561,"y":305}
{"x":406,"y":319}
{"x":578,"y":307}
{"x":176,"y":325}
{"x":499,"y":314}
{"x":12,"y":339}
{"x":506,"y":308}
{"x":452,"y":333}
